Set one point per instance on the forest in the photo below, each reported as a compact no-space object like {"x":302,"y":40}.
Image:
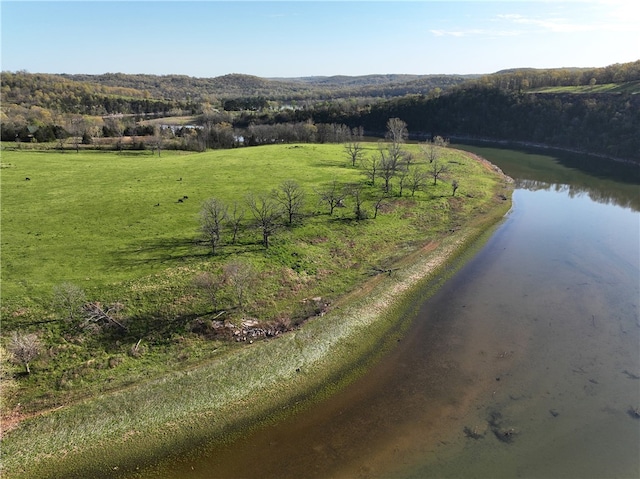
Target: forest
{"x":594,"y":110}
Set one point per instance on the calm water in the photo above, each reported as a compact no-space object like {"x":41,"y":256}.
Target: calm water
{"x":525,"y":364}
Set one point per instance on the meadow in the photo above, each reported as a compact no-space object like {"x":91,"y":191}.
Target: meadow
{"x":124,"y":227}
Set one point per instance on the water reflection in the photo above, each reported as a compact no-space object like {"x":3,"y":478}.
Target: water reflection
{"x":612,"y":197}
{"x":604,"y":181}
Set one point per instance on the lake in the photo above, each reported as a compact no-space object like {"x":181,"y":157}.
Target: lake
{"x":525,"y":363}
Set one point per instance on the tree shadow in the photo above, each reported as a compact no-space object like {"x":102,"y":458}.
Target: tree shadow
{"x":177,"y":250}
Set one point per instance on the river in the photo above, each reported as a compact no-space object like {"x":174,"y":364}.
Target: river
{"x":525,"y":363}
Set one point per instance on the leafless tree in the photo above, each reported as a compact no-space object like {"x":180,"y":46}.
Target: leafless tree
{"x":354,"y":152}
{"x":267,"y":214}
{"x":24,"y":348}
{"x":408,"y":159}
{"x":403,"y":175}
{"x":333,"y":195}
{"x":437,"y":169}
{"x":117,"y":126}
{"x":433,"y":148}
{"x":417,"y":179}
{"x":241,"y":278}
{"x":291,"y":198}
{"x":371,"y":168}
{"x":158,"y":134}
{"x":357,"y":133}
{"x":397,"y":132}
{"x":234,"y":221}
{"x":211,"y":284}
{"x":212,"y":216}
{"x":76,"y":126}
{"x":69,"y":298}
{"x":356,"y":191}
{"x":98,"y":315}
{"x":379,"y":203}
{"x":388,"y":166}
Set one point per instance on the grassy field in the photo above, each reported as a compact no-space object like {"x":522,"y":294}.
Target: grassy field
{"x":630,"y":87}
{"x":113,"y":224}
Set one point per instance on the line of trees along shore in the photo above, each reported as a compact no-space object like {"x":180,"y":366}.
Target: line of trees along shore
{"x":599,"y":124}
{"x":501,"y":106}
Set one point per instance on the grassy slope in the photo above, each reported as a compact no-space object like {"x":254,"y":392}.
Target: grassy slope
{"x":629,"y":87}
{"x":67,"y":223}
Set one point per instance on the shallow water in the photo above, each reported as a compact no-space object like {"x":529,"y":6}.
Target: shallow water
{"x":526,"y":363}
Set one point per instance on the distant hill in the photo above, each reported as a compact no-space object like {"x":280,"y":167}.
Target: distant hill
{"x":181,"y":88}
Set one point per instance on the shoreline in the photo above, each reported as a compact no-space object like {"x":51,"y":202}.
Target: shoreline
{"x":281,"y":376}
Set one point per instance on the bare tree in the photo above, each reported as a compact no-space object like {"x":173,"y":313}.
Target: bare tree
{"x":69,"y":298}
{"x":440,"y":142}
{"x":388,"y":166}
{"x":357,"y":133}
{"x":212,"y":216}
{"x":24,"y":348}
{"x":267,"y":214}
{"x":291,"y":197}
{"x":234,"y":221}
{"x":354,"y":152}
{"x":397,"y":131}
{"x":357,"y":193}
{"x":211,"y":284}
{"x":408,"y":159}
{"x":116,"y":125}
{"x":333,"y":195}
{"x":403,"y":174}
{"x":371,"y":168}
{"x":437,"y":169}
{"x":98,"y":315}
{"x":379,"y":203}
{"x":241,"y":278}
{"x":158,"y":134}
{"x":433,"y":148}
{"x":417,"y":179}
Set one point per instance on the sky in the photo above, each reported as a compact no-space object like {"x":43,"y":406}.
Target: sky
{"x":306,"y":38}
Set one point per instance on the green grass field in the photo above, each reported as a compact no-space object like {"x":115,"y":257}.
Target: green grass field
{"x":629,"y":87}
{"x":91,"y":219}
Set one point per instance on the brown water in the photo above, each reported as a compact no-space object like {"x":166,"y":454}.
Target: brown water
{"x":525,"y":364}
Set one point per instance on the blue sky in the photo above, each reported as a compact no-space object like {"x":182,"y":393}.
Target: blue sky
{"x":304,"y":38}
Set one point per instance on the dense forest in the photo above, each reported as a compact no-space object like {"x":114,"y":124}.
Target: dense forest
{"x":586,"y":109}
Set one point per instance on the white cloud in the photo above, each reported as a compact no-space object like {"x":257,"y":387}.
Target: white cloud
{"x":555,"y":25}
{"x":475,"y":32}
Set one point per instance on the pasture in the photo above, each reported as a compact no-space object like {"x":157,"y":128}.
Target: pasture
{"x":124,"y":227}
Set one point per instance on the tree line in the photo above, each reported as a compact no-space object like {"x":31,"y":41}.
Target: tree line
{"x":606,"y":124}
{"x":500,"y":106}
